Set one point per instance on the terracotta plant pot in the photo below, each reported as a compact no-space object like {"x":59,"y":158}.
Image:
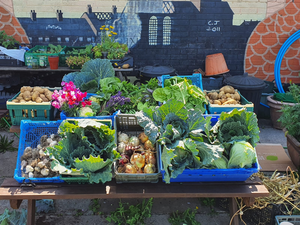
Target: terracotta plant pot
{"x":294,"y":150}
{"x":215,"y":64}
{"x":53,"y":62}
{"x":275,"y":107}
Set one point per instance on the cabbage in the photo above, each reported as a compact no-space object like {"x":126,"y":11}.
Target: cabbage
{"x":242,"y":155}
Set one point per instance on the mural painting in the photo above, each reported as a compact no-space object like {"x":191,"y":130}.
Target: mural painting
{"x":174,"y":33}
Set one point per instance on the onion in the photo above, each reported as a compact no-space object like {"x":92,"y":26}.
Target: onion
{"x":124,"y":159}
{"x":134,"y":141}
{"x":121,"y":147}
{"x":143,"y":137}
{"x":129,"y":168}
{"x":122,"y":137}
{"x":138,"y":160}
{"x":149,"y":168}
{"x":148,"y":145}
{"x":150,"y":157}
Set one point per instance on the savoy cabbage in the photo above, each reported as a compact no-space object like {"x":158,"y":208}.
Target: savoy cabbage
{"x":87,"y":148}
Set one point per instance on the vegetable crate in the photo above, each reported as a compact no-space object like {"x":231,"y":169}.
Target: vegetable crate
{"x":63,"y":55}
{"x":30,"y":110}
{"x":218,"y":109}
{"x":6,"y":60}
{"x":292,"y":219}
{"x":31,"y":133}
{"x":128,"y":123}
{"x":211,"y":175}
{"x":196,"y":79}
{"x":30,"y":55}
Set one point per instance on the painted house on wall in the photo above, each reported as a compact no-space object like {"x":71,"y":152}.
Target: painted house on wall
{"x":175,"y":33}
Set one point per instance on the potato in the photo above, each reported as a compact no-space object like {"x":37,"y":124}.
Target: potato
{"x":15,"y":101}
{"x":48,"y":95}
{"x":217,"y":102}
{"x":35,"y":95}
{"x":213,"y":95}
{"x":236,"y":96}
{"x":43,"y":97}
{"x":229,"y":102}
{"x":228,"y":95}
{"x":39,"y":89}
{"x":26,"y":88}
{"x":125,"y":66}
{"x":223,"y":100}
{"x":228,"y":89}
{"x":19,"y":98}
{"x":221,"y":94}
{"x":27,"y":95}
{"x":38,"y":100}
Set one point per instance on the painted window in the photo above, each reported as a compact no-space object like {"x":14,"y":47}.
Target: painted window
{"x":167,"y":30}
{"x":153,"y":30}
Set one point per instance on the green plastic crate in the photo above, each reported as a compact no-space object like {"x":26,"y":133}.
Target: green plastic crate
{"x":30,"y":56}
{"x":30,"y":110}
{"x":63,"y":55}
{"x":218,"y":109}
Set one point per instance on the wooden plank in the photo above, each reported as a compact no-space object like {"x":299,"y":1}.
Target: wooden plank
{"x":31,"y":212}
{"x":158,"y":190}
{"x":15,"y":204}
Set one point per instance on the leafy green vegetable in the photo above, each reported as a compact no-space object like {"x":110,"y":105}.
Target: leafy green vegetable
{"x":87,"y":147}
{"x":182,"y":90}
{"x":237,"y":125}
{"x":242,"y":155}
{"x":92,"y":72}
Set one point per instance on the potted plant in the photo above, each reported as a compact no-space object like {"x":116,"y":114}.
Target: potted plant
{"x":109,"y":48}
{"x":291,"y":123}
{"x":76,"y":62}
{"x":8,"y":42}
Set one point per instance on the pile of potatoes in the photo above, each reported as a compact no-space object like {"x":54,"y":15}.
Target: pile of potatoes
{"x":225,"y":96}
{"x":33,"y":94}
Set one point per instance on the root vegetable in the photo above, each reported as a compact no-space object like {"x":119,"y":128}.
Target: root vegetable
{"x":213,"y":95}
{"x":236,"y":96}
{"x":227,"y":89}
{"x":35,"y":95}
{"x":122,"y":137}
{"x":30,"y":175}
{"x":150,"y":168}
{"x":148,"y":145}
{"x":143,"y":137}
{"x":150,"y":158}
{"x":28,"y":169}
{"x":134,"y":141}
{"x":45,"y":172}
{"x":230,"y":101}
{"x":217,"y":102}
{"x":129,"y":168}
{"x":137,"y":160}
{"x":121,"y":147}
{"x":38,"y":100}
{"x":27,"y":95}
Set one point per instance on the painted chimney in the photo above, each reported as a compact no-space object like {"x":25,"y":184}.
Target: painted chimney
{"x":59,"y":15}
{"x":114,"y":10}
{"x":89,"y":9}
{"x":33,"y":15}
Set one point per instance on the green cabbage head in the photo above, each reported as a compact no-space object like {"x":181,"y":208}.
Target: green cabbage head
{"x":242,"y":155}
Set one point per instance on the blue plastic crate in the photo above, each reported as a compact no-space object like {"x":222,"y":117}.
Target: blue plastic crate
{"x":63,"y":116}
{"x":196,"y":79}
{"x":214,"y":118}
{"x":31,"y":133}
{"x":211,"y":175}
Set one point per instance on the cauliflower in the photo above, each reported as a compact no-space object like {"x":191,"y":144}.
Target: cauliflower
{"x":85,"y":112}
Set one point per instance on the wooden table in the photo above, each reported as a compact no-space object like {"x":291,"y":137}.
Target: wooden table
{"x":248,"y":190}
